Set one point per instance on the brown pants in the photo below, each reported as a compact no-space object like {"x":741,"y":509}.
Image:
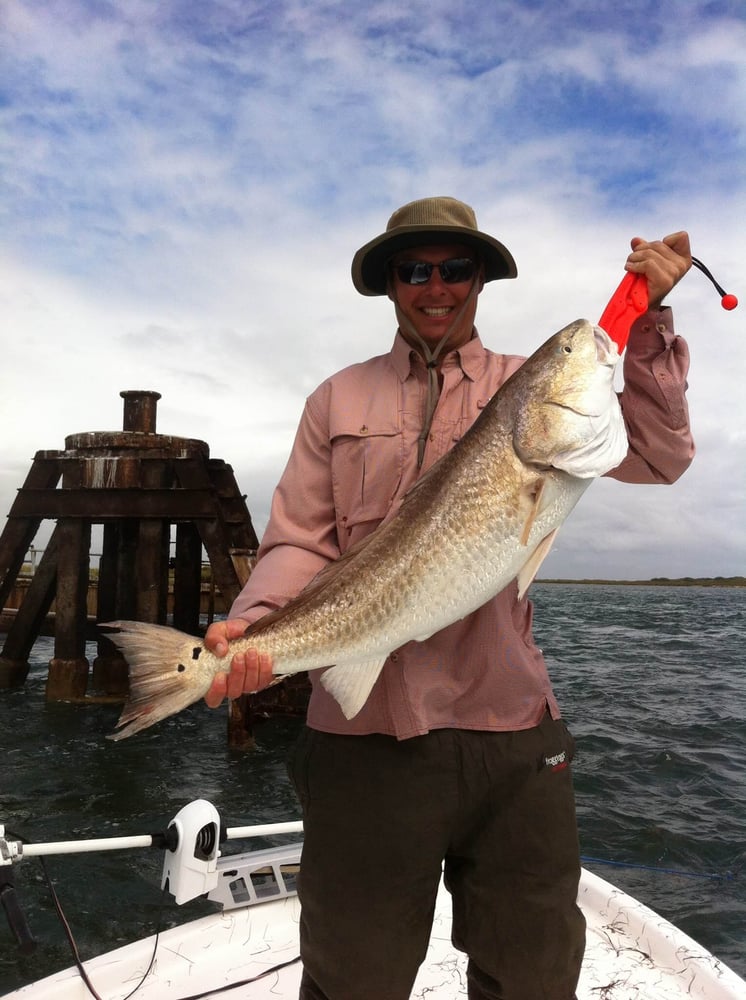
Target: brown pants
{"x":382,"y":818}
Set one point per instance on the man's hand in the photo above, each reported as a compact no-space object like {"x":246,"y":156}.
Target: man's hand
{"x":663,"y":262}
{"x":249,"y":671}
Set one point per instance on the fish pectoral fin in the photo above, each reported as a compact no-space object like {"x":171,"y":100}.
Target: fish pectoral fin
{"x":535,"y":510}
{"x":351,"y":683}
{"x":531,"y":567}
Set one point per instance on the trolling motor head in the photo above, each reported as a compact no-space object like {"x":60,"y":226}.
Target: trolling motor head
{"x":192,"y":843}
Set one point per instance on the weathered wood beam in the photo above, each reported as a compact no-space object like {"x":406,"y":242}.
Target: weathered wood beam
{"x":100,"y":505}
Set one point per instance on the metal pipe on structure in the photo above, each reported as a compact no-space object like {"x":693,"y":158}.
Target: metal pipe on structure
{"x":140,"y":409}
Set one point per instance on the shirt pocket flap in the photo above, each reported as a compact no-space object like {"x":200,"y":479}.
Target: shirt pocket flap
{"x":367,"y":462}
{"x":357,"y":426}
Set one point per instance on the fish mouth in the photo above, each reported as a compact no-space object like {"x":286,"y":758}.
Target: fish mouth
{"x":606,"y":350}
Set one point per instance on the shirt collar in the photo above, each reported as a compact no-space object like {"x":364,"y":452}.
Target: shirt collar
{"x":471,"y":357}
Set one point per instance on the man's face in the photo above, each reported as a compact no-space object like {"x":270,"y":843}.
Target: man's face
{"x":432,"y":308}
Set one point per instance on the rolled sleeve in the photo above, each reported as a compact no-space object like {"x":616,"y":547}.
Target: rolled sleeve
{"x":653,"y":401}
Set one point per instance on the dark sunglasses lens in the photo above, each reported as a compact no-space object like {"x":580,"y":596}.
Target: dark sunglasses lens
{"x":452,"y":271}
{"x":414,"y":272}
{"x":456,"y":269}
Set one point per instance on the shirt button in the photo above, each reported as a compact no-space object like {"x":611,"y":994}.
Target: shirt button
{"x":364,"y":429}
{"x":394,"y":657}
{"x":661,"y":328}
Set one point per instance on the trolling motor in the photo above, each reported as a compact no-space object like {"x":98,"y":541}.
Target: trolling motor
{"x":192,"y":843}
{"x":192,"y":864}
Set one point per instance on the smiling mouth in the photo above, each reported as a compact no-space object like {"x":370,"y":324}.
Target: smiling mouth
{"x":437,"y":311}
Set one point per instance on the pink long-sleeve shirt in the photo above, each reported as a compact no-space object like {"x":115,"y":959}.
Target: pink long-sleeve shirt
{"x":354,"y":457}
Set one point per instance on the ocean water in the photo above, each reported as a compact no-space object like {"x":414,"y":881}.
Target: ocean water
{"x":652,"y":681}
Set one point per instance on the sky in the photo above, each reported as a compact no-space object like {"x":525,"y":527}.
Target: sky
{"x":184,"y":185}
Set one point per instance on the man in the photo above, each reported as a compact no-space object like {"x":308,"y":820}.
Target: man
{"x":453,"y":760}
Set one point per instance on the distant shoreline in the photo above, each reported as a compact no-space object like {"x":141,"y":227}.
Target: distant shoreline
{"x":664,"y":581}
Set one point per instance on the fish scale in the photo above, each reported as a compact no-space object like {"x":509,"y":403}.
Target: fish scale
{"x":484,"y":514}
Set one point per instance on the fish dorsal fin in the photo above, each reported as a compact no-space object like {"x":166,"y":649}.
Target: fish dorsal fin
{"x":351,"y":683}
{"x":531,"y":567}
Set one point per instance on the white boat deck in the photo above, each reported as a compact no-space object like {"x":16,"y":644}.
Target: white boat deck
{"x":632,"y":954}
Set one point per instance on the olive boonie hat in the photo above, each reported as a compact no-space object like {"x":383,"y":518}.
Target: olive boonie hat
{"x":429,"y":220}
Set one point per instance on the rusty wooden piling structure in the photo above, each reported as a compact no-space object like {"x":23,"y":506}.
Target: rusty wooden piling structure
{"x":138,"y":484}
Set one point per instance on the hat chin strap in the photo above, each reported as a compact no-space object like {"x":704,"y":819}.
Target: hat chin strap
{"x":431,"y":361}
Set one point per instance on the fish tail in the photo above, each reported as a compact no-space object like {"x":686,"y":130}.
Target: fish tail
{"x":162,"y":673}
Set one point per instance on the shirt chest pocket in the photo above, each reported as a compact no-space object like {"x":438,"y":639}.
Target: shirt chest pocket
{"x":367,"y":462}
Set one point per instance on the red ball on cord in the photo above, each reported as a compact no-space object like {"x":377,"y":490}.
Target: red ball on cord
{"x":729,"y":302}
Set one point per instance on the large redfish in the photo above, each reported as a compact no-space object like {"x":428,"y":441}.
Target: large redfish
{"x":485,"y":513}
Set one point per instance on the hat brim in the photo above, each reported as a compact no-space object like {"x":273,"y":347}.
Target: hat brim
{"x":369,"y":265}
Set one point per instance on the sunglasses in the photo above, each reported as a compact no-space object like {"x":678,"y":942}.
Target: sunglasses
{"x":452,"y":271}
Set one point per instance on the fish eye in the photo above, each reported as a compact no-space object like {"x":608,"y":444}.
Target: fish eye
{"x":567,"y":349}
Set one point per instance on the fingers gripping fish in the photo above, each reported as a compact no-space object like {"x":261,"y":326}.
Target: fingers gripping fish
{"x":486,"y":513}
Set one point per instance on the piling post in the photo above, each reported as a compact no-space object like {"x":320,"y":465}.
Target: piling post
{"x":67,"y":679}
